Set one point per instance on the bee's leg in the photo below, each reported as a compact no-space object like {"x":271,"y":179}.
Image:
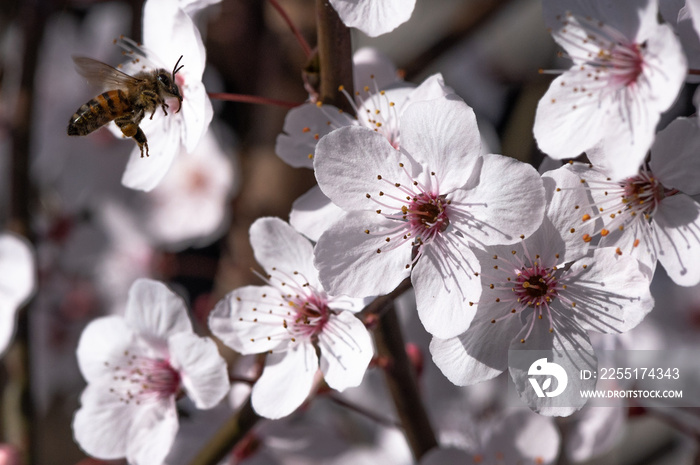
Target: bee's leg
{"x":164,"y":106}
{"x":131,"y":129}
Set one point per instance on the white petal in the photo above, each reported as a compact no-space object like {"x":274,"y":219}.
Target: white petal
{"x":17,"y":269}
{"x":313,"y":213}
{"x":374,"y":18}
{"x":566,"y":124}
{"x":443,"y":136}
{"x":348,"y":162}
{"x":346,"y":350}
{"x":501,"y":207}
{"x":244,"y":322}
{"x":286,"y":381}
{"x":203,"y":372}
{"x":524,"y":437}
{"x":370,"y":65}
{"x":278,"y":245}
{"x":303,"y":127}
{"x":168,"y":32}
{"x":164,"y":145}
{"x":152,"y":433}
{"x":611,"y":292}
{"x":346,"y":256}
{"x":567,"y":346}
{"x":102,"y":423}
{"x":567,"y":202}
{"x":103,"y":340}
{"x":674,"y":156}
{"x":677,"y":238}
{"x":197,"y":113}
{"x":433,"y":87}
{"x":154,"y":310}
{"x":446,"y":287}
{"x":479,"y":354}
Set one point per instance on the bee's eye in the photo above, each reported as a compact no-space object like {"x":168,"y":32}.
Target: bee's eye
{"x":164,"y":79}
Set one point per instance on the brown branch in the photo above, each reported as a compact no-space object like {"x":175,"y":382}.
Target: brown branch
{"x":403,"y":386}
{"x":334,"y":55}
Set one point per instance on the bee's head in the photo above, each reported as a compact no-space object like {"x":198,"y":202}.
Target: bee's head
{"x":168,"y":85}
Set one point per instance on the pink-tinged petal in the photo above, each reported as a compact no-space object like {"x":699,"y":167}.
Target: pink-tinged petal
{"x":168,"y":32}
{"x":374,"y":18}
{"x":372,"y":65}
{"x":567,"y":203}
{"x":278,"y":245}
{"x":446,"y":288}
{"x":442,"y":135}
{"x":242,"y":320}
{"x":346,"y":350}
{"x":594,"y":431}
{"x":303,"y":127}
{"x":524,"y":437}
{"x":152,"y":432}
{"x":500,"y":209}
{"x":568,"y":123}
{"x":567,"y":346}
{"x":346,"y":256}
{"x":313,"y":213}
{"x":674,"y":156}
{"x":676,"y":238}
{"x":610,"y":291}
{"x":17,"y":269}
{"x":286,"y":381}
{"x":163,"y":146}
{"x":155,"y":311}
{"x":103,"y":339}
{"x":478,"y":354}
{"x":203,"y":372}
{"x":101,"y":425}
{"x":352,"y":162}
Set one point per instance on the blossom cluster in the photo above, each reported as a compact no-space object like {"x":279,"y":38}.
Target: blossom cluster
{"x":411,"y":192}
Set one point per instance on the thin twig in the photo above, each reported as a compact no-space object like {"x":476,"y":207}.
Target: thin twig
{"x":363,"y":411}
{"x":228,"y":436}
{"x":300,"y":38}
{"x":252,"y":99}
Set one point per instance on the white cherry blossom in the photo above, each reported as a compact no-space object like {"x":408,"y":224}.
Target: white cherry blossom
{"x":545,"y":293}
{"x":418,"y":211}
{"x":289,"y":318}
{"x":18,"y":280}
{"x":627,"y":69}
{"x":377,"y":110}
{"x":372,"y":17}
{"x":136,"y":367}
{"x":652,"y":215}
{"x":168,"y":33}
{"x":199,"y":186}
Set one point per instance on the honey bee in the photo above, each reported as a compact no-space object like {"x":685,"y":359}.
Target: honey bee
{"x":129,"y":99}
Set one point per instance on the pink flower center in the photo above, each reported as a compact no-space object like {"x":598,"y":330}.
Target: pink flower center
{"x":137,"y":379}
{"x":427,"y":215}
{"x":312,"y":314}
{"x":535,"y":286}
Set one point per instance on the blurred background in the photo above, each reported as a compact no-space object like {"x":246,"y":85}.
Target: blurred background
{"x":94,"y":237}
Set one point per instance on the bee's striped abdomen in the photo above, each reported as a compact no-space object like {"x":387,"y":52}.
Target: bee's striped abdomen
{"x":98,"y":112}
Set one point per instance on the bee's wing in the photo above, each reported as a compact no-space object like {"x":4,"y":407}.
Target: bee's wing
{"x":101,"y":74}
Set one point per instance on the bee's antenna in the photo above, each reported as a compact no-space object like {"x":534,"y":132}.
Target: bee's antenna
{"x":176,"y":69}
